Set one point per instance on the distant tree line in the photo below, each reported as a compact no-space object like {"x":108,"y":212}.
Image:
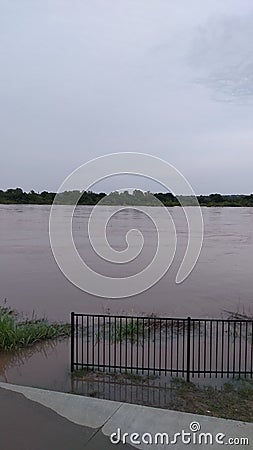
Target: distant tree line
{"x":17,"y":196}
{"x":137,"y":197}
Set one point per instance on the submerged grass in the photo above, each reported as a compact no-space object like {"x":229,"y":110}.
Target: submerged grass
{"x":16,"y":334}
{"x":233,"y":401}
{"x":131,"y":330}
{"x":137,"y":330}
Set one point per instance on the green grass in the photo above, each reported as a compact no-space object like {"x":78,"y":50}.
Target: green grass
{"x":16,"y":334}
{"x":132,"y":330}
{"x":86,"y":371}
{"x":137,"y":330}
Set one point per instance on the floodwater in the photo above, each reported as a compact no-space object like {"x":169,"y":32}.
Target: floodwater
{"x":45,"y":365}
{"x":31,"y":281}
{"x":222,"y":279}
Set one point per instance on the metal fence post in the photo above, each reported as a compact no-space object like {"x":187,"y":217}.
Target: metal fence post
{"x":188,"y":349}
{"x":72,"y":340}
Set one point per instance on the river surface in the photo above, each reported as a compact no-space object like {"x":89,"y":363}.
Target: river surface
{"x":222,"y":279}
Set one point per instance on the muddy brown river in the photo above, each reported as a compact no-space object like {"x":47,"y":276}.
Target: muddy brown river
{"x":222,"y":279}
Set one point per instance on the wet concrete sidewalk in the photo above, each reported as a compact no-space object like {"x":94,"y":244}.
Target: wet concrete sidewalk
{"x":36,"y":419}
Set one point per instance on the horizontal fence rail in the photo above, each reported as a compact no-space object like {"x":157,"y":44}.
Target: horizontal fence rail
{"x":160,"y":345}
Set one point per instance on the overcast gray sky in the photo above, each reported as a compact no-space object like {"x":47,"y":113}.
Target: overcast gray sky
{"x":80,"y":79}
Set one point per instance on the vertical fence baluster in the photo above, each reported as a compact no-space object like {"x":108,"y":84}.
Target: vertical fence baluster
{"x":193,"y":346}
{"x":148,"y":345}
{"x":222,"y":349}
{"x":234,"y":349}
{"x":82,"y":342}
{"x":87,"y":342}
{"x":217,"y":347}
{"x":228,"y":350}
{"x":115,"y":342}
{"x":109,"y":349}
{"x":132,"y":343}
{"x":72,"y":340}
{"x":177,"y":330}
{"x":251,"y":356}
{"x":154,"y":348}
{"x":77,"y":349}
{"x":246,"y":349}
{"x":104,"y":335}
{"x":137,"y":345}
{"x":199,"y":348}
{"x":183,"y":349}
{"x":93,"y":342}
{"x":98,"y":342}
{"x":171,"y":347}
{"x":160,"y":347}
{"x":120,"y":343}
{"x":240,"y":351}
{"x":188,"y":350}
{"x":143,"y":344}
{"x":166,"y":345}
{"x":126,"y":345}
{"x":205,"y":350}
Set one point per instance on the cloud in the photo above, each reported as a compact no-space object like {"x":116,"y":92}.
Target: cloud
{"x":222,"y":57}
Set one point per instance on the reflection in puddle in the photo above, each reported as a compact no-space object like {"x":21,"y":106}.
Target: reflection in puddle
{"x":45,"y":365}
{"x":156,"y":391}
{"x":149,"y":391}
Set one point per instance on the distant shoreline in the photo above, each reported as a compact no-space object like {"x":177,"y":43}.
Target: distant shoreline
{"x":121,"y":204}
{"x":137,"y":198}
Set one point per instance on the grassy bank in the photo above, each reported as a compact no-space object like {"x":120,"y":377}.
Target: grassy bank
{"x":16,"y":333}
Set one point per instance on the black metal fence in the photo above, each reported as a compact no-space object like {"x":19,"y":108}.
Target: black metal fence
{"x":157,"y":345}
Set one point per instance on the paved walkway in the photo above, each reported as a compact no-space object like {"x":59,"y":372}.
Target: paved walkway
{"x":36,"y":419}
